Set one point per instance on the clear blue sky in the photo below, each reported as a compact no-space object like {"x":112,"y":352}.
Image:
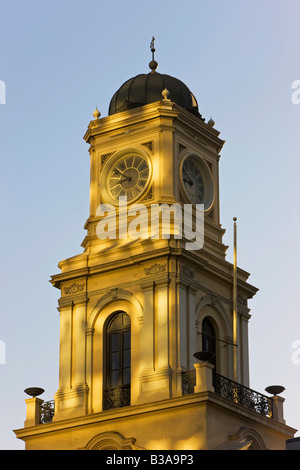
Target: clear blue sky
{"x":61,"y":59}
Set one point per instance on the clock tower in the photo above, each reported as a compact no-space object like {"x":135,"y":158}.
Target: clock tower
{"x":153,"y":318}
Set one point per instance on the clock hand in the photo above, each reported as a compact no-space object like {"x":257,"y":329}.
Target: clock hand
{"x":188,"y":181}
{"x":118,"y":172}
{"x":187,"y":176}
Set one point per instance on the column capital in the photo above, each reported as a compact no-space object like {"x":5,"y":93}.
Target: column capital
{"x":90,"y":331}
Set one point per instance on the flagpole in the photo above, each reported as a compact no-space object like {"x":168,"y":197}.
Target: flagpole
{"x":234,"y":317}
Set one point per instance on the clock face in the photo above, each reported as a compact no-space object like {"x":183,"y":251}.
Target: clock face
{"x":196,"y":181}
{"x":193,"y":181}
{"x":127,"y":176}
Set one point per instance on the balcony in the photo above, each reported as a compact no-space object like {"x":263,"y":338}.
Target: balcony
{"x":243,"y":396}
{"x":204,"y":379}
{"x":232,"y":391}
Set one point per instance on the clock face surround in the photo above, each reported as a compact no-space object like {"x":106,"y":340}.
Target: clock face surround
{"x":196,"y":181}
{"x":126,"y":174}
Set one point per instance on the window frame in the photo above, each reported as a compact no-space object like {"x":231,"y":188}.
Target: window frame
{"x":122,"y":384}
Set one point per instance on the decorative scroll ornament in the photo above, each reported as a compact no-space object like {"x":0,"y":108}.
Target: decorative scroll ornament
{"x":149,"y":195}
{"x":186,"y":270}
{"x":105,"y":157}
{"x":155,"y":269}
{"x":149,"y":145}
{"x":114,"y":293}
{"x":74,"y":288}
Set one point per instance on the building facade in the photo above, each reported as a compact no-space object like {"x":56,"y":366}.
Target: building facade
{"x":153,"y":318}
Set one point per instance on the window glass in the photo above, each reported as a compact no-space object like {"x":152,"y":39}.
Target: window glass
{"x":118,"y":353}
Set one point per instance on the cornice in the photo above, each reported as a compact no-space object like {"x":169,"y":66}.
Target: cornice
{"x":191,"y":128}
{"x":127,"y":120}
{"x":223,"y":270}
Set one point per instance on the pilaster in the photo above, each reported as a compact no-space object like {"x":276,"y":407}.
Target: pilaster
{"x":72,"y":395}
{"x":155,"y":371}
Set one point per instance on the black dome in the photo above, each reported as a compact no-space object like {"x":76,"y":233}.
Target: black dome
{"x":147,"y":88}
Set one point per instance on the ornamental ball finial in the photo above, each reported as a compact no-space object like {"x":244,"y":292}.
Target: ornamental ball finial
{"x":165,"y":93}
{"x":153,"y":64}
{"x":96,"y":113}
{"x":211,"y":122}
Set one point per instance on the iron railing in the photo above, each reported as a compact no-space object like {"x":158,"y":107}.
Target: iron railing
{"x":116,"y":397}
{"x":232,"y":391}
{"x":242,"y":395}
{"x":188,"y":381}
{"x":47,"y":411}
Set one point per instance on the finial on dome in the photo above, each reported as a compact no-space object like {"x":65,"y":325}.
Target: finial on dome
{"x":165,"y":93}
{"x":211,"y":122}
{"x":153,"y":64}
{"x":96,"y":113}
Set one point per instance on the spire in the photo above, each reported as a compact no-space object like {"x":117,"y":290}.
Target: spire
{"x":153,"y":64}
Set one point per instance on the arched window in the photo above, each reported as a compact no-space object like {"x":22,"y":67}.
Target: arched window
{"x":209,"y":338}
{"x":118,"y":361}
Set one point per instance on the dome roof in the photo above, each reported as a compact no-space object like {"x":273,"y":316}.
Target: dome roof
{"x":147,"y":88}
